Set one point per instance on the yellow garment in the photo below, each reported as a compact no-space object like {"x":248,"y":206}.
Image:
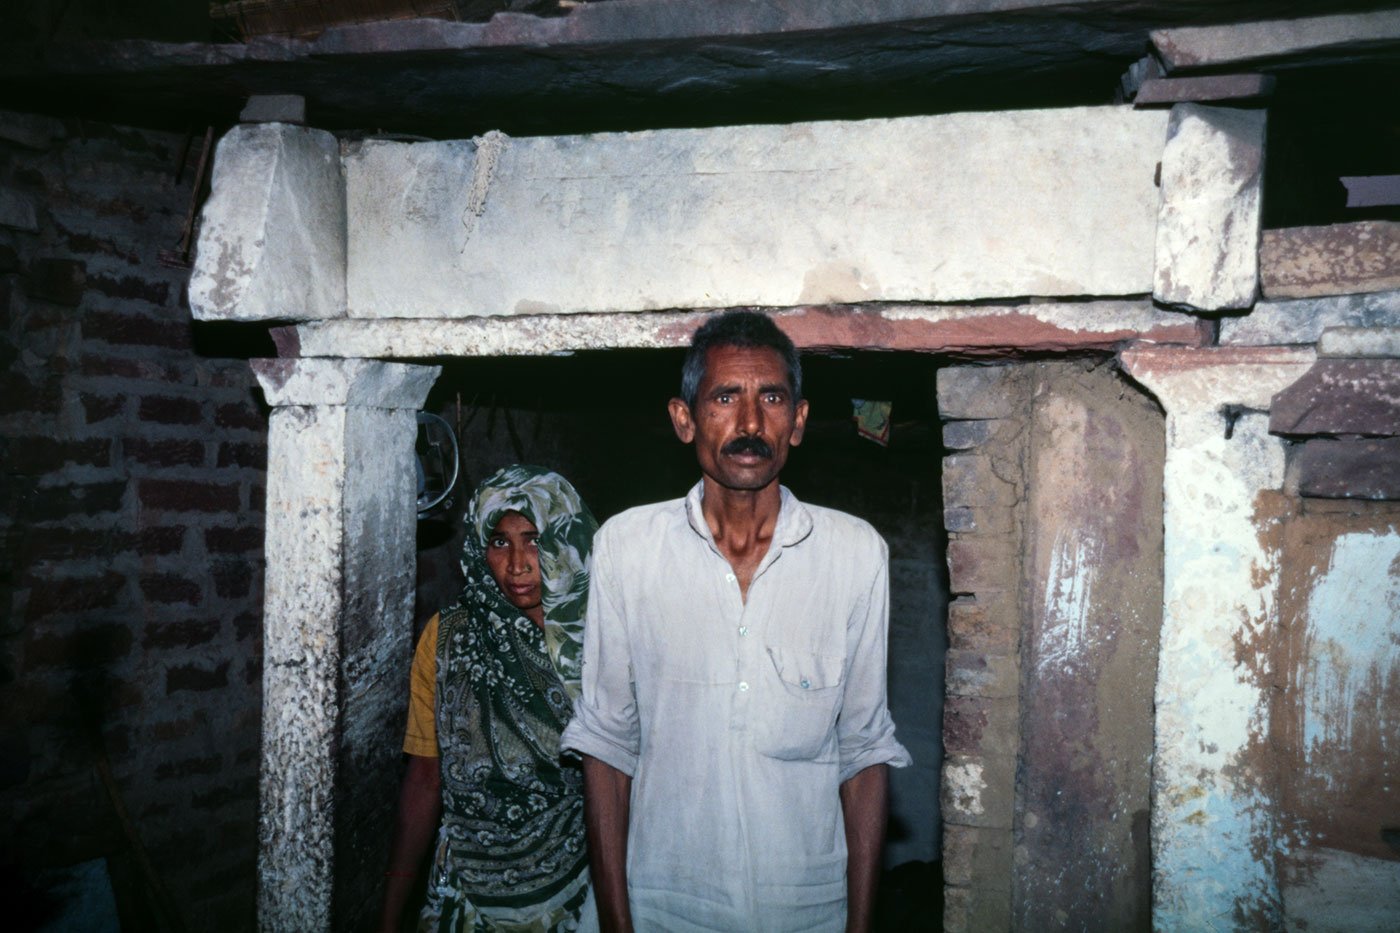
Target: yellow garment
{"x":420,"y":738}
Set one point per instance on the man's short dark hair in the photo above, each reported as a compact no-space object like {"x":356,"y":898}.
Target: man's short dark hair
{"x":738,"y":329}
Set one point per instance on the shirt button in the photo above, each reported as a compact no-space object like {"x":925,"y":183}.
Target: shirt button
{"x":743,"y":630}
{"x":743,"y":685}
{"x":730,"y":577}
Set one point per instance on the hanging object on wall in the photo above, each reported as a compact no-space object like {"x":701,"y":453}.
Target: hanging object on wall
{"x":872,"y":419}
{"x":438,"y":460}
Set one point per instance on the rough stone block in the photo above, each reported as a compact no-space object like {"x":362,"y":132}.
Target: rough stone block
{"x":1347,"y":468}
{"x":1158,"y":91}
{"x":499,"y":225}
{"x":970,"y":480}
{"x":1299,"y":321}
{"x":1372,"y":342}
{"x":272,"y":237}
{"x":981,"y":725}
{"x":274,"y":108}
{"x":960,"y":435}
{"x":1339,"y":259}
{"x":29,"y":130}
{"x":982,"y":563}
{"x":368,"y":383}
{"x":17,"y":211}
{"x":1341,"y":396}
{"x":1207,"y":255}
{"x":978,"y":392}
{"x":979,"y":790}
{"x":959,"y":848}
{"x":1237,"y":43}
{"x":989,"y":519}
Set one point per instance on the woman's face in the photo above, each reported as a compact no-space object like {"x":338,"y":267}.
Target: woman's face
{"x":514,"y":561}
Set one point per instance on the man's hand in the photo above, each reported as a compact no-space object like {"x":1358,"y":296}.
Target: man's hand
{"x":607,"y":795}
{"x":865,"y":808}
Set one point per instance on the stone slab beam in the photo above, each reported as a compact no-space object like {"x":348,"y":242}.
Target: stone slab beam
{"x":1341,"y":396}
{"x":1213,"y":832}
{"x":341,"y":516}
{"x":272,"y":234}
{"x":971,"y":329}
{"x":1303,"y":320}
{"x":1207,"y":252}
{"x":1157,"y":92}
{"x":1347,"y":468}
{"x":942,"y":208}
{"x":1358,"y":36}
{"x":1338,"y":259}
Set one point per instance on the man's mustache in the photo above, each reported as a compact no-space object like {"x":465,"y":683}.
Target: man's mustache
{"x":748,"y":445}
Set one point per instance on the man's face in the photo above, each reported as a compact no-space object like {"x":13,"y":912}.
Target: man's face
{"x":744,"y":419}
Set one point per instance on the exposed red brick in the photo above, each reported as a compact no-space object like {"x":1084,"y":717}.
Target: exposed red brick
{"x":242,"y":540}
{"x":146,"y":370}
{"x":34,"y":455}
{"x":170,"y":588}
{"x":47,"y":543}
{"x":101,"y":407}
{"x":233,"y":579}
{"x":159,"y":541}
{"x":21,"y":393}
{"x":167,"y":452}
{"x":125,"y":328}
{"x":165,"y":409}
{"x":82,"y":648}
{"x":188,"y":766}
{"x":179,"y":728}
{"x":247,"y":625}
{"x":243,"y":455}
{"x":195,"y":677}
{"x":60,"y":281}
{"x":132,"y":287}
{"x":72,"y":594}
{"x":180,"y":495}
{"x":183,"y":634}
{"x":55,"y":503}
{"x":245,"y":415}
{"x":964,"y":722}
{"x":219,"y":797}
{"x":85,"y":244}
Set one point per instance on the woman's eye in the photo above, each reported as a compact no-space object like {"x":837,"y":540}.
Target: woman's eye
{"x":496,"y":542}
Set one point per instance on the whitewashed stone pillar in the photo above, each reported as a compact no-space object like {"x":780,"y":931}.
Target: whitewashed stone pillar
{"x":1212,"y":818}
{"x":341,"y":514}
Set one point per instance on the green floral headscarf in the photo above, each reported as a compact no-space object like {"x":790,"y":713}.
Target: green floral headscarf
{"x":566,"y":529}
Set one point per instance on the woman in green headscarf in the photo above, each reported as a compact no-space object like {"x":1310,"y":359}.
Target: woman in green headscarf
{"x":494,"y":679}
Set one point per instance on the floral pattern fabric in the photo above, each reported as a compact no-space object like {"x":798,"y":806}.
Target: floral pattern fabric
{"x":510,"y":855}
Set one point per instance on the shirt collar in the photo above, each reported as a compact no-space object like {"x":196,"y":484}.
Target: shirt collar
{"x":794,"y":521}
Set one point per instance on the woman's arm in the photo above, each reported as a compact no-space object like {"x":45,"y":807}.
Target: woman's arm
{"x":420,"y":808}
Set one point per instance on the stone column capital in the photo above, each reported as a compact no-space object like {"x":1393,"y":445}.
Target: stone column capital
{"x":352,"y":382}
{"x":1188,"y":379}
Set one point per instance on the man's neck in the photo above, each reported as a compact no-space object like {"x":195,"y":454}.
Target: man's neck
{"x":742,"y":523}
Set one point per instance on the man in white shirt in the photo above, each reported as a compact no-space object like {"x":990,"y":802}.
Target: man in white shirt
{"x":733,"y":724}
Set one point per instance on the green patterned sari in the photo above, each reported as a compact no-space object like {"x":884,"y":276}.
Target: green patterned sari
{"x":511,"y":854}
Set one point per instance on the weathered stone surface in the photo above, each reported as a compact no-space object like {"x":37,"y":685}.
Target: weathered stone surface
{"x":1339,"y":259}
{"x":338,"y":612}
{"x":978,"y":674}
{"x":961,"y":435}
{"x":1158,"y":91}
{"x":982,"y":392}
{"x":29,"y":130}
{"x":1207,"y":254}
{"x":365,"y":383}
{"x":831,"y":213}
{"x":1213,"y":832}
{"x":17,"y":211}
{"x":272,"y":235}
{"x":1279,"y":323}
{"x":1359,"y":35}
{"x":1359,"y":342}
{"x":1347,"y":468}
{"x":1341,"y":396}
{"x":274,"y":108}
{"x":1051,"y":326}
{"x":969,"y":799}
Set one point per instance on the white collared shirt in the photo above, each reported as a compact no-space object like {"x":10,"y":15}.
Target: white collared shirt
{"x":736,"y":721}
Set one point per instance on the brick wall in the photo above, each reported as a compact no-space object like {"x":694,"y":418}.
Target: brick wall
{"x":131,"y":470}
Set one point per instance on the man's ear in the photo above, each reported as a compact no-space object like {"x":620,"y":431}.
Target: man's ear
{"x":681,"y":420}
{"x":799,"y":423}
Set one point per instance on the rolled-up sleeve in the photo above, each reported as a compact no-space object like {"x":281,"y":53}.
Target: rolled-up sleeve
{"x":865,"y":730}
{"x":605,"y":724}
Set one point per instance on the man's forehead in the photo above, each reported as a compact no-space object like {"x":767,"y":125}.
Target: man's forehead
{"x":730,"y":362}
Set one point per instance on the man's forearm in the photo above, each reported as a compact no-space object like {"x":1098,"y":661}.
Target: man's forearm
{"x":865,"y":809}
{"x":607,"y":794}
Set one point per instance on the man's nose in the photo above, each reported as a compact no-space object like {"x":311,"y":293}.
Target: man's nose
{"x":750,"y":416}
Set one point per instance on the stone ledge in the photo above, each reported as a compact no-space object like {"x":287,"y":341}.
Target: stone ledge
{"x":1303,"y":320}
{"x":1360,"y":342}
{"x":1339,"y":259}
{"x":1347,"y":468}
{"x":1340,"y":396}
{"x":360,"y":383}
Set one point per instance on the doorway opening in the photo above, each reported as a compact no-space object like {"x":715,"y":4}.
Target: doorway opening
{"x":599,"y":418}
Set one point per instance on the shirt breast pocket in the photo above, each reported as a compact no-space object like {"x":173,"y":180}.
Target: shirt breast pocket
{"x":807,"y":693}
